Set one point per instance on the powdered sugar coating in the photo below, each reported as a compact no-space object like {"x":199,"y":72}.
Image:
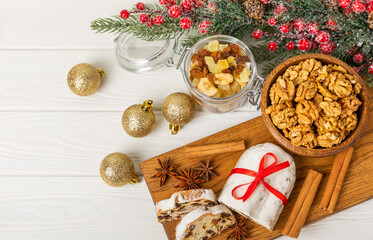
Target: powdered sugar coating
{"x":262,"y":206}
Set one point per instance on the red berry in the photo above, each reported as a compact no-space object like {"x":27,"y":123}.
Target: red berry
{"x":313,"y":28}
{"x":290,"y":45}
{"x":265,"y":1}
{"x":304,"y":44}
{"x":175,"y":11}
{"x":143,"y":18}
{"x":314,"y":45}
{"x":322,"y":37}
{"x":370,"y":69}
{"x":272,"y":21}
{"x":212,"y":7}
{"x":258,"y":34}
{"x":185,"y":23}
{"x":299,"y":24}
{"x":140,"y":6}
{"x":171,"y":2}
{"x":332,"y":25}
{"x":284,"y":28}
{"x":347,"y":12}
{"x":344,"y":3}
{"x":158,"y":20}
{"x":163,"y":2}
{"x":272,"y":46}
{"x":124,"y":14}
{"x":280,"y":9}
{"x":187,"y":5}
{"x":358,"y":6}
{"x":199,"y":3}
{"x":327,"y":48}
{"x":150,"y":22}
{"x":369,"y":7}
{"x":358,"y":57}
{"x":352,"y":51}
{"x":204,"y":27}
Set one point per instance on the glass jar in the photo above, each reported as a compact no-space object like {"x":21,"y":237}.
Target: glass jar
{"x":132,"y":56}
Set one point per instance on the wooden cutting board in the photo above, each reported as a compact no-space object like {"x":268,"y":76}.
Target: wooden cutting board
{"x":358,"y":185}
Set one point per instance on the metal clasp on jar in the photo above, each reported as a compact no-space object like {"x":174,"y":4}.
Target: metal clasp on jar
{"x":254,"y":94}
{"x":181,"y":51}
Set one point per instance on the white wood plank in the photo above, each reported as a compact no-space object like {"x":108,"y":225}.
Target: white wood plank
{"x":36,"y":81}
{"x":86,"y":208}
{"x":74,"y":143}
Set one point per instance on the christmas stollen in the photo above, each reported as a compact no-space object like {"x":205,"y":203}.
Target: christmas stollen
{"x":260,"y":184}
{"x":183,"y":202}
{"x":204,"y":223}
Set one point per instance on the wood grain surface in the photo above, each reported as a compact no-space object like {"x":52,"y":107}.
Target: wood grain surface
{"x":358,"y":185}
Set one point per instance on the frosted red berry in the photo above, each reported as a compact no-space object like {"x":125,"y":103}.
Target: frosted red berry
{"x":344,"y":3}
{"x":212,"y":7}
{"x":332,"y":25}
{"x":370,"y":69}
{"x":124,"y":14}
{"x":186,"y":5}
{"x":265,"y":1}
{"x":290,"y":45}
{"x":304,"y":44}
{"x":199,"y":3}
{"x":313,"y":28}
{"x":327,"y":48}
{"x":284,"y":28}
{"x":299,"y":24}
{"x":150,"y":22}
{"x":258,"y":34}
{"x":358,"y":57}
{"x":158,"y":20}
{"x":272,"y":21}
{"x":280,"y":9}
{"x":347,"y":12}
{"x":369,"y":7}
{"x":175,"y":11}
{"x":143,"y":18}
{"x":358,"y":6}
{"x":322,"y":37}
{"x":204,"y":27}
{"x":140,"y":6}
{"x":185,"y":23}
{"x":272,"y":46}
{"x":163,"y":2}
{"x":171,"y":2}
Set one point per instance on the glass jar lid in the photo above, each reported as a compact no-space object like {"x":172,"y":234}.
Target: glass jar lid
{"x":139,"y":56}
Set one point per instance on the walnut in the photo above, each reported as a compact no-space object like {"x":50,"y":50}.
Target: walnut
{"x":302,"y":77}
{"x":338,"y":68}
{"x":308,"y":64}
{"x":342,"y":88}
{"x":300,"y":128}
{"x":276,"y":108}
{"x":315,"y":72}
{"x":350,"y":122}
{"x":351,"y":78}
{"x":317,"y":100}
{"x":329,"y":139}
{"x":327,"y":124}
{"x":307,"y":112}
{"x":349,"y":105}
{"x":357,"y":88}
{"x":331,"y":108}
{"x":332,"y":77}
{"x":309,"y":140}
{"x":285,"y":88}
{"x":290,"y":73}
{"x":306,"y":91}
{"x":325,"y":92}
{"x":273,"y":95}
{"x":296,"y":138}
{"x":302,"y":138}
{"x":285,"y":118}
{"x":323,"y":74}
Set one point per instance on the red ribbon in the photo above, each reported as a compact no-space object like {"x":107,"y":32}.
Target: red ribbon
{"x":259,"y":177}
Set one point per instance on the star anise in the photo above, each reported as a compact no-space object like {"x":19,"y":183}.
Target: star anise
{"x":206,"y":169}
{"x":239,"y":230}
{"x":189,"y":180}
{"x":165,"y":170}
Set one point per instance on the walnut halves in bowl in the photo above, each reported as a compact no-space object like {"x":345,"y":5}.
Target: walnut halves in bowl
{"x":314,"y":104}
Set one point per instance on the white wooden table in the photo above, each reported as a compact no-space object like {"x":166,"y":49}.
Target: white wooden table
{"x":52,"y":141}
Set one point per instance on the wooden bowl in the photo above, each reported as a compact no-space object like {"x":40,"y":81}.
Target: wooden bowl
{"x":362,"y":113}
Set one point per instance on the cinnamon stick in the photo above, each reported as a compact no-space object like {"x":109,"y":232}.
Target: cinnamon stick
{"x":213,"y":149}
{"x":337,"y":174}
{"x":302,"y":205}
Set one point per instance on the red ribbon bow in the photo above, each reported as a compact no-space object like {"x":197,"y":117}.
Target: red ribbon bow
{"x":259,"y":177}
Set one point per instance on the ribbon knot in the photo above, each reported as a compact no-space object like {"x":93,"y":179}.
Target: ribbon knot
{"x":259,"y":178}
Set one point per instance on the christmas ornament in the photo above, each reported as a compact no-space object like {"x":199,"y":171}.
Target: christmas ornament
{"x":304,"y":44}
{"x":358,"y":57}
{"x":272,"y":46}
{"x":370,"y":69}
{"x":254,"y":8}
{"x":124,"y":14}
{"x":322,"y":37}
{"x":84,"y":79}
{"x":140,"y":6}
{"x":313,"y":28}
{"x":370,"y":20}
{"x":327,"y":48}
{"x":178,"y":109}
{"x":272,"y":21}
{"x":290,"y":45}
{"x":175,"y":11}
{"x":358,"y":6}
{"x":117,"y":170}
{"x":204,"y":27}
{"x":299,"y":24}
{"x":344,"y":3}
{"x":139,"y":120}
{"x":158,"y":20}
{"x":185,"y":23}
{"x":143,"y":18}
{"x":258,"y":34}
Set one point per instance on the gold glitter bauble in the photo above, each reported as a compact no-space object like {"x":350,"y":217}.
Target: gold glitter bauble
{"x":139,"y":120}
{"x":84,"y":79}
{"x":117,"y":170}
{"x":178,"y":109}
